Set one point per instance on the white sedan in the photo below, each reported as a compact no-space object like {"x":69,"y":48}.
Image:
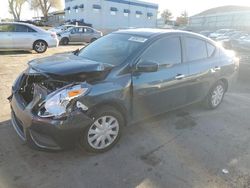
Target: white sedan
{"x":22,"y":36}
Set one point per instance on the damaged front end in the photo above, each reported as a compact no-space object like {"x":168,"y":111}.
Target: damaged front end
{"x":48,"y":110}
{"x":56,"y":97}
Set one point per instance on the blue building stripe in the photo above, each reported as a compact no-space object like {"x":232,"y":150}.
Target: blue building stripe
{"x":135,"y":3}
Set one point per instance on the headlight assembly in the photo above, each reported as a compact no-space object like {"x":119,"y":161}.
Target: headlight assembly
{"x":56,"y":103}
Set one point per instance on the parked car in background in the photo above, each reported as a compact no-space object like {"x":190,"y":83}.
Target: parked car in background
{"x":205,"y":33}
{"x":61,"y":29}
{"x":219,"y":33}
{"x":88,"y":96}
{"x":23,"y":36}
{"x":229,"y":35}
{"x":79,"y":34}
{"x":229,"y":42}
{"x":242,"y":43}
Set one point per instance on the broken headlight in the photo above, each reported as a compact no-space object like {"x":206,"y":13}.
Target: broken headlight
{"x":57,"y":102}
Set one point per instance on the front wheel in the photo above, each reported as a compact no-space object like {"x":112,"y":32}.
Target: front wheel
{"x":104,"y":132}
{"x":40,"y":46}
{"x":216,"y":95}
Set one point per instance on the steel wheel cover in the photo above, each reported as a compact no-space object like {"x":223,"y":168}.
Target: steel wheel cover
{"x":217,"y":95}
{"x":103,"y":132}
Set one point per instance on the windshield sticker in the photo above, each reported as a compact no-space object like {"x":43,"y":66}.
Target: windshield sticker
{"x":138,"y":39}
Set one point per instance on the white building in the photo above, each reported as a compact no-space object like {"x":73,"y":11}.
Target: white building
{"x":112,"y":14}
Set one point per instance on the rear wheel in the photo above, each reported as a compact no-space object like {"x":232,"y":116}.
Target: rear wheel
{"x":216,"y":95}
{"x":64,"y":41}
{"x":40,"y":46}
{"x":104,"y":132}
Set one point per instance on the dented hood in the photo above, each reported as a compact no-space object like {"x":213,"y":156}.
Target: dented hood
{"x":67,"y":64}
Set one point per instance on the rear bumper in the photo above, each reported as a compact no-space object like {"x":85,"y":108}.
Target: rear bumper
{"x":47,"y":133}
{"x":54,"y":42}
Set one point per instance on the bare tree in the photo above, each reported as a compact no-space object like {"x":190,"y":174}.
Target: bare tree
{"x":45,"y":6}
{"x":15,"y":8}
{"x":166,"y":15}
{"x":182,"y":19}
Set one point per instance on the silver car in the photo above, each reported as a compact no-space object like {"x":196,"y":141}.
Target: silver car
{"x":79,"y":34}
{"x":22,"y":36}
{"x":61,"y":28}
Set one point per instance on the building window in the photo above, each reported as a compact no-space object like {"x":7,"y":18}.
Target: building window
{"x":76,"y":8}
{"x":149,"y":15}
{"x":81,"y":7}
{"x":97,"y":8}
{"x":113,"y":11}
{"x":126,"y":12}
{"x":67,"y":9}
{"x":138,"y":14}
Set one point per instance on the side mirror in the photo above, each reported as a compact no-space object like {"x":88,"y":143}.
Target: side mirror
{"x":147,"y":66}
{"x":76,"y":52}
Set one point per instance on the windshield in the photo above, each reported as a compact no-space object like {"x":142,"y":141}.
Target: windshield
{"x":112,"y":49}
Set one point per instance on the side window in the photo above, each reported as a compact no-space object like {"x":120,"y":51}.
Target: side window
{"x":23,"y":28}
{"x":7,"y":28}
{"x":166,"y":51}
{"x":196,"y":49}
{"x":88,"y":30}
{"x":210,"y":49}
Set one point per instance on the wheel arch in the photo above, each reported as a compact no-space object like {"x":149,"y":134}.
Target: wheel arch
{"x":225,"y":81}
{"x":114,"y":104}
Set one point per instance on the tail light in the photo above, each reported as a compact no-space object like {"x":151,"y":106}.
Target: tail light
{"x":53,"y":35}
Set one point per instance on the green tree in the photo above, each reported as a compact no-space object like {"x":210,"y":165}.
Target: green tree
{"x":166,"y":15}
{"x":182,"y":19}
{"x":15,"y":8}
{"x":45,"y":5}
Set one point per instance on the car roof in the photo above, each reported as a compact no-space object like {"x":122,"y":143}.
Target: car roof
{"x":148,"y":33}
{"x":38,"y":29}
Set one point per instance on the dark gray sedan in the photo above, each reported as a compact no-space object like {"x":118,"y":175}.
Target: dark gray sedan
{"x":87,"y":97}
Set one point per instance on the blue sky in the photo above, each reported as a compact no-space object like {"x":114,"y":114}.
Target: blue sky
{"x":175,"y":6}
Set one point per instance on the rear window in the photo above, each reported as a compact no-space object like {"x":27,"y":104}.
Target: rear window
{"x":196,"y":49}
{"x":210,"y":49}
{"x":23,"y":28}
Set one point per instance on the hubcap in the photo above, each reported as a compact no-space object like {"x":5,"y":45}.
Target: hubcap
{"x":103,"y":132}
{"x":217,"y":95}
{"x":40,"y":46}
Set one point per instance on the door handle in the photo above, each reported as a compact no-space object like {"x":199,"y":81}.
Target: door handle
{"x":179,"y":76}
{"x":215,"y":69}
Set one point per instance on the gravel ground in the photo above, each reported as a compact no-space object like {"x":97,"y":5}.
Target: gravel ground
{"x":192,"y":147}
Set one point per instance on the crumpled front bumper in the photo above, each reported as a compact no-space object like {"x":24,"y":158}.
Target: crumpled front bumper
{"x":46,"y":133}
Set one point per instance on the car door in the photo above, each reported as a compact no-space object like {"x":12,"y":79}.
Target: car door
{"x":23,"y":37}
{"x":165,"y":89}
{"x":6,"y":36}
{"x":75,"y":35}
{"x":88,"y":34}
{"x":204,"y":67}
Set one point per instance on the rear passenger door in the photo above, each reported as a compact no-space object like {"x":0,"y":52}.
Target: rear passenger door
{"x":204,"y":66}
{"x":161,"y":91}
{"x":88,"y":34}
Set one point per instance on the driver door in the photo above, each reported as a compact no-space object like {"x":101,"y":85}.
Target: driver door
{"x":163,"y":90}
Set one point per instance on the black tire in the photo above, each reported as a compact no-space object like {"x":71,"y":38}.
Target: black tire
{"x":209,"y":100}
{"x":64,"y":41}
{"x":103,"y":111}
{"x":93,"y":39}
{"x":40,"y":46}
